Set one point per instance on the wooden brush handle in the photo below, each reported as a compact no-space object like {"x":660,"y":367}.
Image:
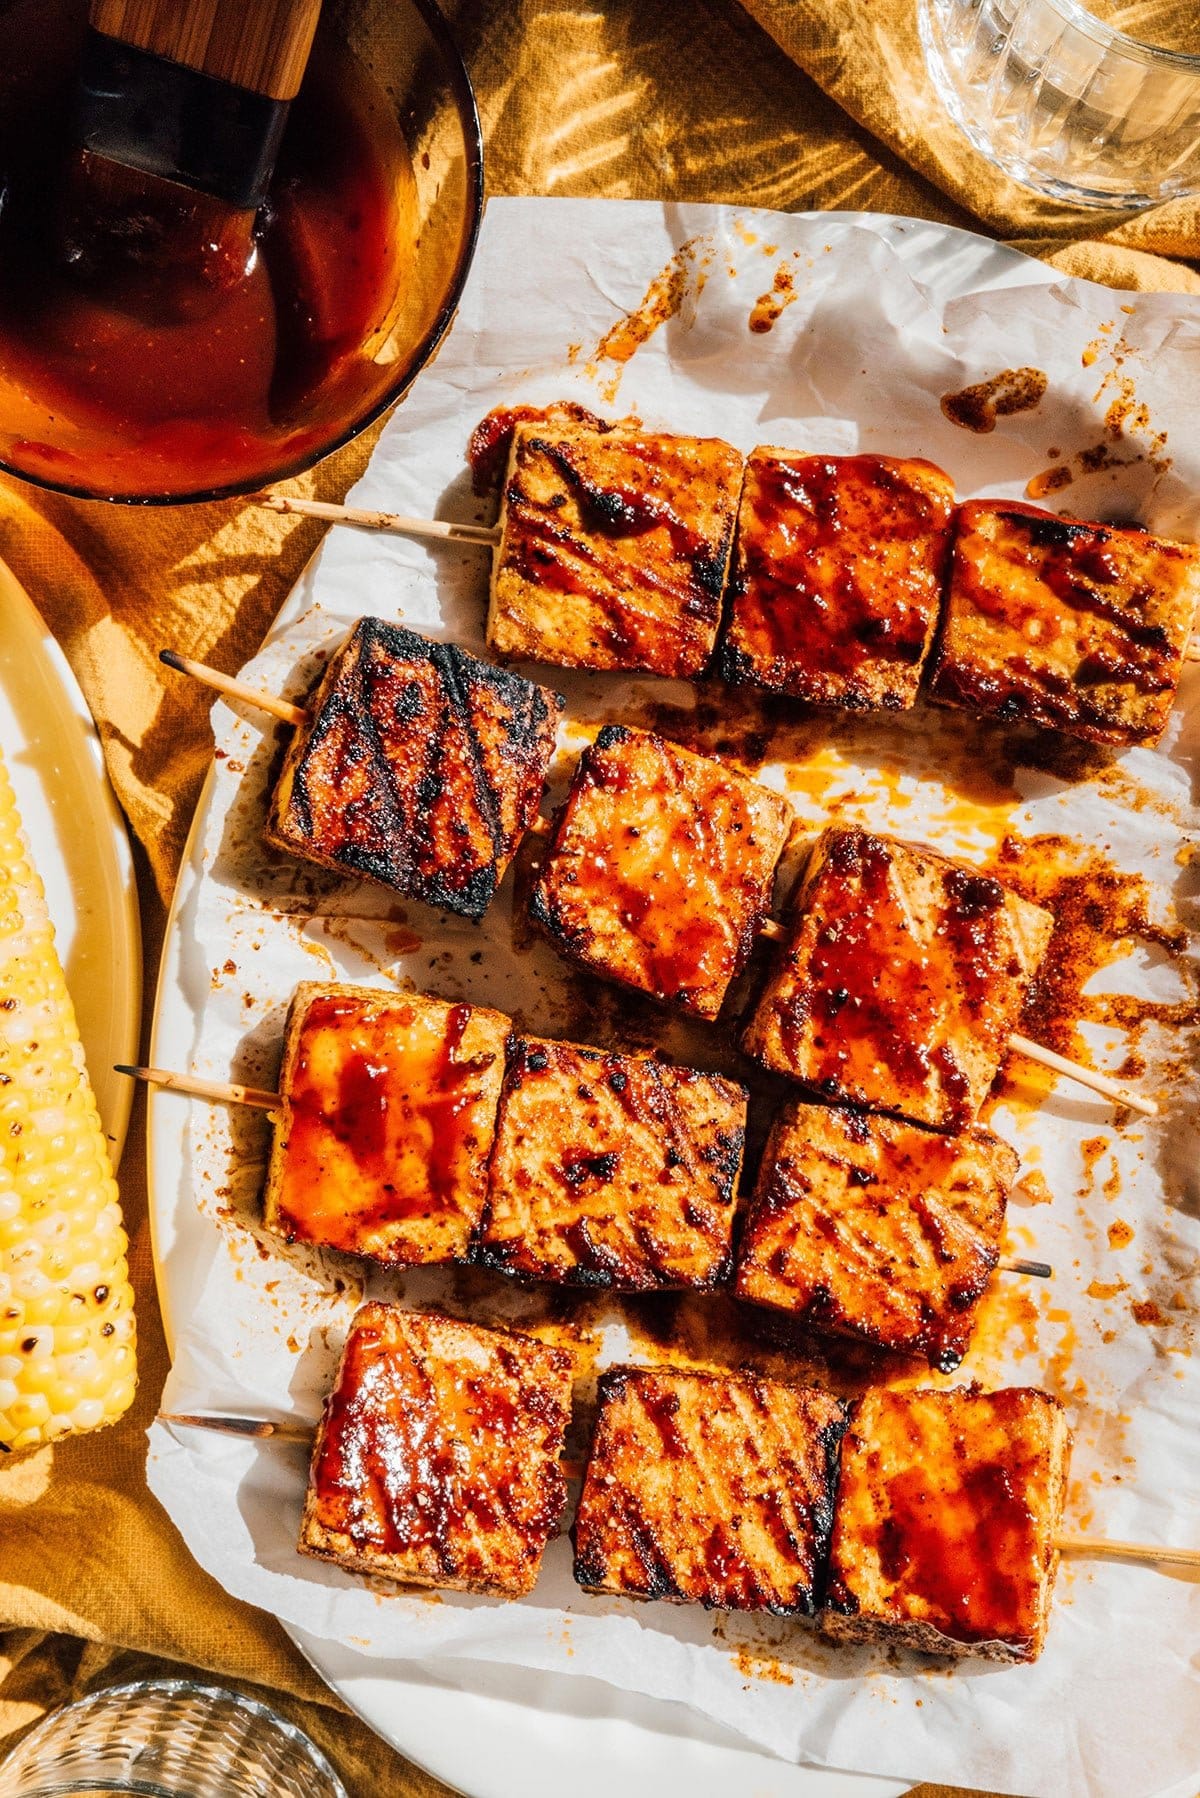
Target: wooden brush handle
{"x":261,"y":45}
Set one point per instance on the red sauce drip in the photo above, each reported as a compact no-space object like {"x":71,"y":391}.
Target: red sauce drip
{"x":491,"y":440}
{"x":969,"y":1550}
{"x":661,"y":1407}
{"x":129,"y":373}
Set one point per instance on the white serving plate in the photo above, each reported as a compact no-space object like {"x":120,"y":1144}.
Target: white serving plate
{"x":77,"y":835}
{"x":494,"y":1731}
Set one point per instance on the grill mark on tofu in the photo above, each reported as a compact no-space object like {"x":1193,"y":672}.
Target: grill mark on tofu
{"x":661,"y":868}
{"x":709,"y":1490}
{"x":614,"y":549}
{"x":903,"y":979}
{"x":1065,"y":624}
{"x":437,"y":1458}
{"x":837,"y":576}
{"x":613,"y":1172}
{"x":422,"y":768}
{"x":387,"y":1121}
{"x":868,"y":1227}
{"x":948,"y":1507}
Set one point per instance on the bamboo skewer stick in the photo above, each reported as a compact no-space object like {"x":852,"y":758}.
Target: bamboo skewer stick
{"x":1091,"y":1077}
{"x":437,"y":530}
{"x":222,"y":1092}
{"x":258,"y":1429}
{"x":770,"y":928}
{"x":1128,"y":1551}
{"x":233,"y":688}
{"x":1036,"y":1270}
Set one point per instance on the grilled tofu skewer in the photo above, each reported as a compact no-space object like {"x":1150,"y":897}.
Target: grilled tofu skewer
{"x":571,"y":1165}
{"x":603,"y":1557}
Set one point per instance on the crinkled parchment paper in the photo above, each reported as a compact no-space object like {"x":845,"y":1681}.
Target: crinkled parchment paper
{"x":821,"y":333}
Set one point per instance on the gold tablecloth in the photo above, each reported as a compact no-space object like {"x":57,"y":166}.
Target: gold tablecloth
{"x":799,"y":104}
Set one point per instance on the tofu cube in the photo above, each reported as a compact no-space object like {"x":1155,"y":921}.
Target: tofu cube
{"x":437,"y":1459}
{"x":903,"y":978}
{"x":947,"y":1513}
{"x":614,"y":549}
{"x":388,"y":1113}
{"x":704,"y":1489}
{"x":660,"y":869}
{"x":837,"y":576}
{"x":612,"y":1171}
{"x":864,"y":1226}
{"x":1073,"y":626}
{"x":420,"y":768}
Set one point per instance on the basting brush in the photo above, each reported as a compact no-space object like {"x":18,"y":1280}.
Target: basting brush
{"x":181,"y":112}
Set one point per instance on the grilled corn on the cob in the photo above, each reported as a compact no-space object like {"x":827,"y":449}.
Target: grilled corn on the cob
{"x":66,"y":1305}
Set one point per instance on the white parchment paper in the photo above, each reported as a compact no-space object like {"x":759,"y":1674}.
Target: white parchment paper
{"x":871,"y":322}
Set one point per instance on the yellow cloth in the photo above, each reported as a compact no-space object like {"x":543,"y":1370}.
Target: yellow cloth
{"x":683,"y":99}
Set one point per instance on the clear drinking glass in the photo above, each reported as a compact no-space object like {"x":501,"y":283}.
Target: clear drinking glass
{"x":167,"y":1738}
{"x":1066,"y":103}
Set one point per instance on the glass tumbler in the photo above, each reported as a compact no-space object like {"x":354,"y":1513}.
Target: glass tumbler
{"x":1066,"y":103}
{"x":167,"y":1738}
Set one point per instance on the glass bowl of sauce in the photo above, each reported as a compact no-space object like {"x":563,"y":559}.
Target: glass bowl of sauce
{"x":359,"y":258}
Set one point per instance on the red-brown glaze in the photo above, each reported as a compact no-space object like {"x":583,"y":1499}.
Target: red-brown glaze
{"x":615,"y":548}
{"x":388,"y":1124}
{"x":837,"y":576}
{"x":870,"y":1227}
{"x":708,"y":1490}
{"x":661,"y":868}
{"x":612,"y":1171}
{"x":437,"y":1458}
{"x":1074,"y":626}
{"x":901,"y":983}
{"x":947,"y":1509}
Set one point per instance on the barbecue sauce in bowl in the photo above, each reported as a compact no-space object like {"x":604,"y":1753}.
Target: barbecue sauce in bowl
{"x":126,"y":389}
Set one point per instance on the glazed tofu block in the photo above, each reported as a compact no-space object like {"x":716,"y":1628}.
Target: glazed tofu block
{"x":837,"y":576}
{"x":902,"y":981}
{"x":437,"y":1459}
{"x":704,"y":1489}
{"x":661,"y":867}
{"x":614,"y":549}
{"x":421,"y":768}
{"x":612,"y":1171}
{"x":1073,"y":626}
{"x":947,"y":1513}
{"x":868,"y":1227}
{"x":389,"y":1108}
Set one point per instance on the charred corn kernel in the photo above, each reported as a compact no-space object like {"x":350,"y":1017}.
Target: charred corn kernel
{"x":66,"y":1305}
